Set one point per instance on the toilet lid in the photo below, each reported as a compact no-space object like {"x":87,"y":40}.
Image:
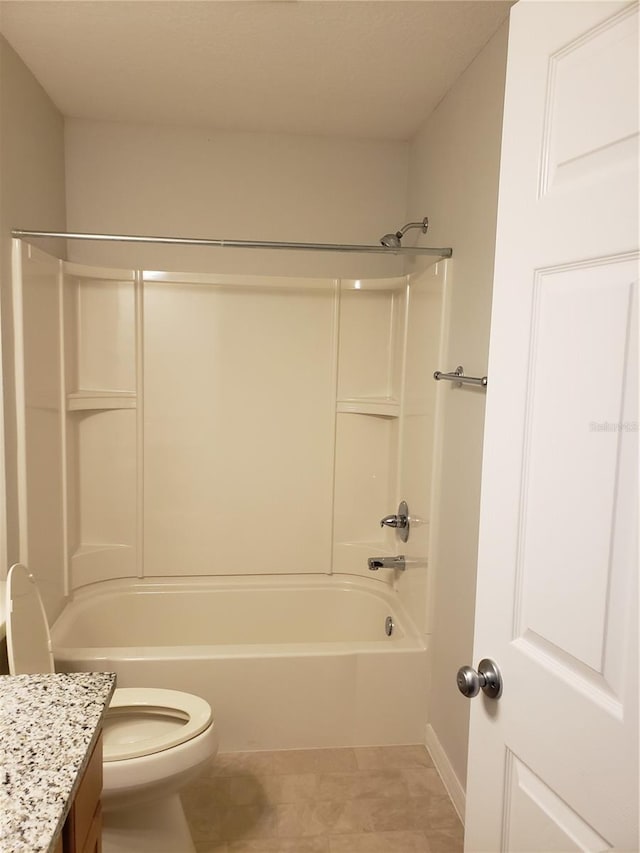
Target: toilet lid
{"x":192,"y":715}
{"x":28,"y":638}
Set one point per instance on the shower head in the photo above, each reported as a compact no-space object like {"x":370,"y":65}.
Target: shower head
{"x":392,"y":241}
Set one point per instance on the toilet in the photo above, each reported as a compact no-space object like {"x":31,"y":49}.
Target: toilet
{"x":154,"y":741}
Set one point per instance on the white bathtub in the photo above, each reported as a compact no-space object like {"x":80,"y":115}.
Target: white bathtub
{"x":284,"y":662}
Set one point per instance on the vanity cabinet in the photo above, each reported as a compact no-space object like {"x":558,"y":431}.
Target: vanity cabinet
{"x":82,"y":832}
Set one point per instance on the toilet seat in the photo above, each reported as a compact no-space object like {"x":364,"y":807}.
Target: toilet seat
{"x":191,"y":715}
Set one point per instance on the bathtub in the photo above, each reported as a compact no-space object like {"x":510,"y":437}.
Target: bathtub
{"x":285,"y":663}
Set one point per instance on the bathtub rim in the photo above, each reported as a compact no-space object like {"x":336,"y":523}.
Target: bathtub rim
{"x":411,"y":640}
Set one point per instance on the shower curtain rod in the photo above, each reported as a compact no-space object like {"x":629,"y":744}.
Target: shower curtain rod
{"x":235,"y":244}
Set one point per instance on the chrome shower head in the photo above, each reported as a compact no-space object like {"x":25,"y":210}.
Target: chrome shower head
{"x":392,"y":241}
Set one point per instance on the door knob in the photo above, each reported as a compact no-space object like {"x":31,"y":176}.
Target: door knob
{"x":487,"y":679}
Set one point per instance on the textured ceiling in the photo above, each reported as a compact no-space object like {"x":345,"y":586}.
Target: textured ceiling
{"x":369,"y":69}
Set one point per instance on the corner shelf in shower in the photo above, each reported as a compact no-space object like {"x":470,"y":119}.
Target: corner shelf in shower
{"x":98,"y":400}
{"x":386,"y":407}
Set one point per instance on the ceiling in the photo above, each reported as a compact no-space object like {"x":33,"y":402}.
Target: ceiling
{"x":365,"y":69}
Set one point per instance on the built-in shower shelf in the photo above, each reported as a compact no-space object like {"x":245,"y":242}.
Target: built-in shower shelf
{"x":97,"y":400}
{"x":386,"y":407}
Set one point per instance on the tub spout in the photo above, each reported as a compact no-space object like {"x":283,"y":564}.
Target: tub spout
{"x":376,"y":563}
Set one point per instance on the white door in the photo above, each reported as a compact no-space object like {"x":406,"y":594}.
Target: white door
{"x":553,"y":763}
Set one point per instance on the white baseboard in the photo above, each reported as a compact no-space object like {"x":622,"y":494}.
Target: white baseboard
{"x":445,"y":770}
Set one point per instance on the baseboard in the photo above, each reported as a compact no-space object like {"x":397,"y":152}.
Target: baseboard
{"x":445,"y":770}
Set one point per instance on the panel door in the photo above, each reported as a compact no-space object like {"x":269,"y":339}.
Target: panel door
{"x":554,"y":761}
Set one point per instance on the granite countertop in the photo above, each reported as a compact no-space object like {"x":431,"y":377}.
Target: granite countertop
{"x":48,"y":727}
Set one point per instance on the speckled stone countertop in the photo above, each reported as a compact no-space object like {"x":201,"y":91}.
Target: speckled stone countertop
{"x":48,"y":727}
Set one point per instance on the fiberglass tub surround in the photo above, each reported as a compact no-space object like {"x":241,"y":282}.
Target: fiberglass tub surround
{"x":245,"y":433}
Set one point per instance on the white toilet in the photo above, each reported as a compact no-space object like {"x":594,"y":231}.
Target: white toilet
{"x":154,"y":741}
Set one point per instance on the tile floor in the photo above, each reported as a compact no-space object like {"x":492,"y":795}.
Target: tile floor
{"x":364,"y":800}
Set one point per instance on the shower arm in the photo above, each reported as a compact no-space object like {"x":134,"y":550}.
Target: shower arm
{"x":424,"y":226}
{"x":240,"y":244}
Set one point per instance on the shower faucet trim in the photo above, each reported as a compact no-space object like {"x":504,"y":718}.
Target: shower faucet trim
{"x":401,"y":521}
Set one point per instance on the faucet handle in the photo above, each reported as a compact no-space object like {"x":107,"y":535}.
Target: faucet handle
{"x":394,"y":521}
{"x":400,"y":521}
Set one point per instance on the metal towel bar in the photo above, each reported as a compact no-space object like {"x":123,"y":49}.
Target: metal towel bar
{"x":460,"y":379}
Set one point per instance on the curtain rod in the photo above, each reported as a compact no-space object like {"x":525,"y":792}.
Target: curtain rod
{"x":235,"y":244}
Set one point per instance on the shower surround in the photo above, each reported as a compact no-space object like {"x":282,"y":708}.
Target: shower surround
{"x":192,"y":429}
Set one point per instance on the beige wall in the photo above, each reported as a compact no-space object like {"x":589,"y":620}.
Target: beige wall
{"x":453,"y":176}
{"x":145,"y":179}
{"x":32,"y":195}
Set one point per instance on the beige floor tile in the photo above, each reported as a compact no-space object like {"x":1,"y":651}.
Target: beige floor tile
{"x":247,"y":790}
{"x":379,"y":842}
{"x":435,"y":812}
{"x":280,"y":788}
{"x":446,"y":840}
{"x":337,"y":786}
{"x":323,"y":818}
{"x":297,"y":787}
{"x":211,"y":847}
{"x":421,"y":781}
{"x":316,"y":844}
{"x":363,"y":783}
{"x":393,"y":814}
{"x":314,"y":760}
{"x":382,"y":757}
{"x":242,"y":764}
{"x":250,"y":821}
{"x":373,"y":800}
